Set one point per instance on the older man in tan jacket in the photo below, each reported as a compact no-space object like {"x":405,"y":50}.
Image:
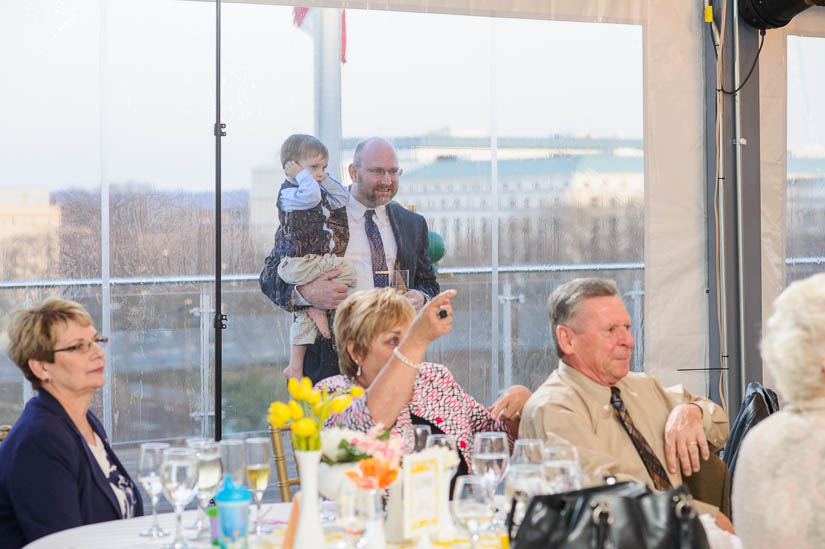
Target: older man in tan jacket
{"x":624,"y":424}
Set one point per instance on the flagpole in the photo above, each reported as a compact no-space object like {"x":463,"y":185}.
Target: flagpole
{"x":327,"y":80}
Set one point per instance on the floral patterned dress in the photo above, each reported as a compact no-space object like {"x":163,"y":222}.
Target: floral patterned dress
{"x":437,"y":398}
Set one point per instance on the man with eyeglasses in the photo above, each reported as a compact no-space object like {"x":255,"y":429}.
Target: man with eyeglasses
{"x":384,"y":239}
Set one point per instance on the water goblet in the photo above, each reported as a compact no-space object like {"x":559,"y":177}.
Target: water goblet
{"x":232,"y":459}
{"x":356,"y":508}
{"x":179,"y":477}
{"x":420,"y":434}
{"x":491,"y":456}
{"x":444,"y":441}
{"x":472,"y":505}
{"x":149,"y":461}
{"x":561,"y":468}
{"x":192,"y":441}
{"x":257,"y":474}
{"x":210,"y":473}
{"x":527,"y":451}
{"x":524,"y":480}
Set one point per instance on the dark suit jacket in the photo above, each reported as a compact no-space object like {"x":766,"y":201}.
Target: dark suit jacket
{"x":410,"y":229}
{"x":49,"y":479}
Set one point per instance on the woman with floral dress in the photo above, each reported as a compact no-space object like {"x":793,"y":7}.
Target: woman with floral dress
{"x":381,"y":347}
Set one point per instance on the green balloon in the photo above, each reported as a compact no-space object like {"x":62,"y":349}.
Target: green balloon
{"x":436,"y":249}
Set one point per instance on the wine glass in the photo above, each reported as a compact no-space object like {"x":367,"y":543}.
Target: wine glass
{"x":192,"y":441}
{"x":356,"y":507}
{"x":491,"y":456}
{"x":444,"y":441}
{"x":420,"y":434}
{"x":151,"y":457}
{"x":232,"y":459}
{"x":472,"y":505}
{"x":257,"y":474}
{"x":524,"y":480}
{"x":527,"y":451}
{"x":209,"y":475}
{"x":560,"y":467}
{"x":179,"y":477}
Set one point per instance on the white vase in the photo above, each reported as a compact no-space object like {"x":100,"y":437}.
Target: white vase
{"x":330,"y":478}
{"x":310,"y":532}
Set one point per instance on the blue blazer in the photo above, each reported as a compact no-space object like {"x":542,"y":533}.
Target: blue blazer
{"x":49,"y":479}
{"x":412,"y":240}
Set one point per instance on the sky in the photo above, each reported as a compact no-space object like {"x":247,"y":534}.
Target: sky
{"x":125,"y":90}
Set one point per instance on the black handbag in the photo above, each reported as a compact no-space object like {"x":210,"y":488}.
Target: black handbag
{"x":626,"y":515}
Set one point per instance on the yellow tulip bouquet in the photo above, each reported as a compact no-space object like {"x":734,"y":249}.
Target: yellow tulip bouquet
{"x":306,"y":412}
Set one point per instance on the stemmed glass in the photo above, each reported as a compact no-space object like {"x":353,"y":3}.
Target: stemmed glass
{"x":257,"y":474}
{"x":179,"y":476}
{"x":444,"y":441}
{"x":420,"y":434}
{"x":210,"y":473}
{"x":356,"y":507}
{"x":491,"y":456}
{"x":151,"y":457}
{"x":472,"y":505}
{"x":232,"y":459}
{"x":561,"y":468}
{"x":527,"y":451}
{"x":523,"y":482}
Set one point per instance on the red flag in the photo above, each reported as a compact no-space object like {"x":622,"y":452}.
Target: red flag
{"x":304,"y":19}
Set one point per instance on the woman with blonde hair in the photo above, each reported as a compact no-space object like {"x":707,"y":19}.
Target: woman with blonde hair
{"x":381,"y":347}
{"x":57,"y":469}
{"x":779,"y":486}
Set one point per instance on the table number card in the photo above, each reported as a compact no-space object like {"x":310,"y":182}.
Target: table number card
{"x":421,"y":485}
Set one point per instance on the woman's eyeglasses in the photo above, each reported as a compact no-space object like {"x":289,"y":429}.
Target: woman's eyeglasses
{"x":84,"y":345}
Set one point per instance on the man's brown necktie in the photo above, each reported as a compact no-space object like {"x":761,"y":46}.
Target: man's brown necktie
{"x":652,"y":463}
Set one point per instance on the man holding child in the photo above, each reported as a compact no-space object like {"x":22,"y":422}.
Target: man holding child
{"x":368,"y":236}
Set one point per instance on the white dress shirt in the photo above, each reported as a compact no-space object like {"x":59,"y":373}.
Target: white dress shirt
{"x":358,"y":247}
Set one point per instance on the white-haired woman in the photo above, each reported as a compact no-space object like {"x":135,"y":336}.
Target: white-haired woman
{"x":779,"y":487}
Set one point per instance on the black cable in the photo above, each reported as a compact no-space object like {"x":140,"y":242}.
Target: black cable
{"x":750,"y":72}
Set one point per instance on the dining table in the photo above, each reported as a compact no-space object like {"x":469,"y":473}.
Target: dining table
{"x":125,"y":534}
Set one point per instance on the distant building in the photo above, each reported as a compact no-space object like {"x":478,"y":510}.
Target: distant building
{"x":29,"y":224}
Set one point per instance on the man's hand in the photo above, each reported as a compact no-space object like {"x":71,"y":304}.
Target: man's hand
{"x":685,"y":439}
{"x":416,"y":298}
{"x":292,"y":169}
{"x":323,"y":293}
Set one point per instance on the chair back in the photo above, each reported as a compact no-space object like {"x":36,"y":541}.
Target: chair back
{"x":759,"y":403}
{"x":284,"y":482}
{"x":711,"y":484}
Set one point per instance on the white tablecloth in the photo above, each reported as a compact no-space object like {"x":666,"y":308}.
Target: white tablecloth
{"x":123,"y":534}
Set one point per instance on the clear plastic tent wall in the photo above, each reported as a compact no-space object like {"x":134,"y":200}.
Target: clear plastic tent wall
{"x":542,"y":141}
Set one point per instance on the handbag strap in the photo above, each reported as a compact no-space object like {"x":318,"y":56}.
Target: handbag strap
{"x":602,"y":519}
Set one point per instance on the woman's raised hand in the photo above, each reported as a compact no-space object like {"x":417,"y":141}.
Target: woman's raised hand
{"x":434,"y":319}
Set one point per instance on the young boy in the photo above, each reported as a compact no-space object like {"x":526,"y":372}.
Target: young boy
{"x":312,"y":235}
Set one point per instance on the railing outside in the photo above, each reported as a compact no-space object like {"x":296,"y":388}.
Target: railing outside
{"x":514,"y":296}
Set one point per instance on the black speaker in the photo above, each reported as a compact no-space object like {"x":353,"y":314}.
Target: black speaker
{"x":770,"y":14}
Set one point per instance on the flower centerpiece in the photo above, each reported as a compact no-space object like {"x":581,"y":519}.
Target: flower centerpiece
{"x":305,"y":414}
{"x":370,"y":460}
